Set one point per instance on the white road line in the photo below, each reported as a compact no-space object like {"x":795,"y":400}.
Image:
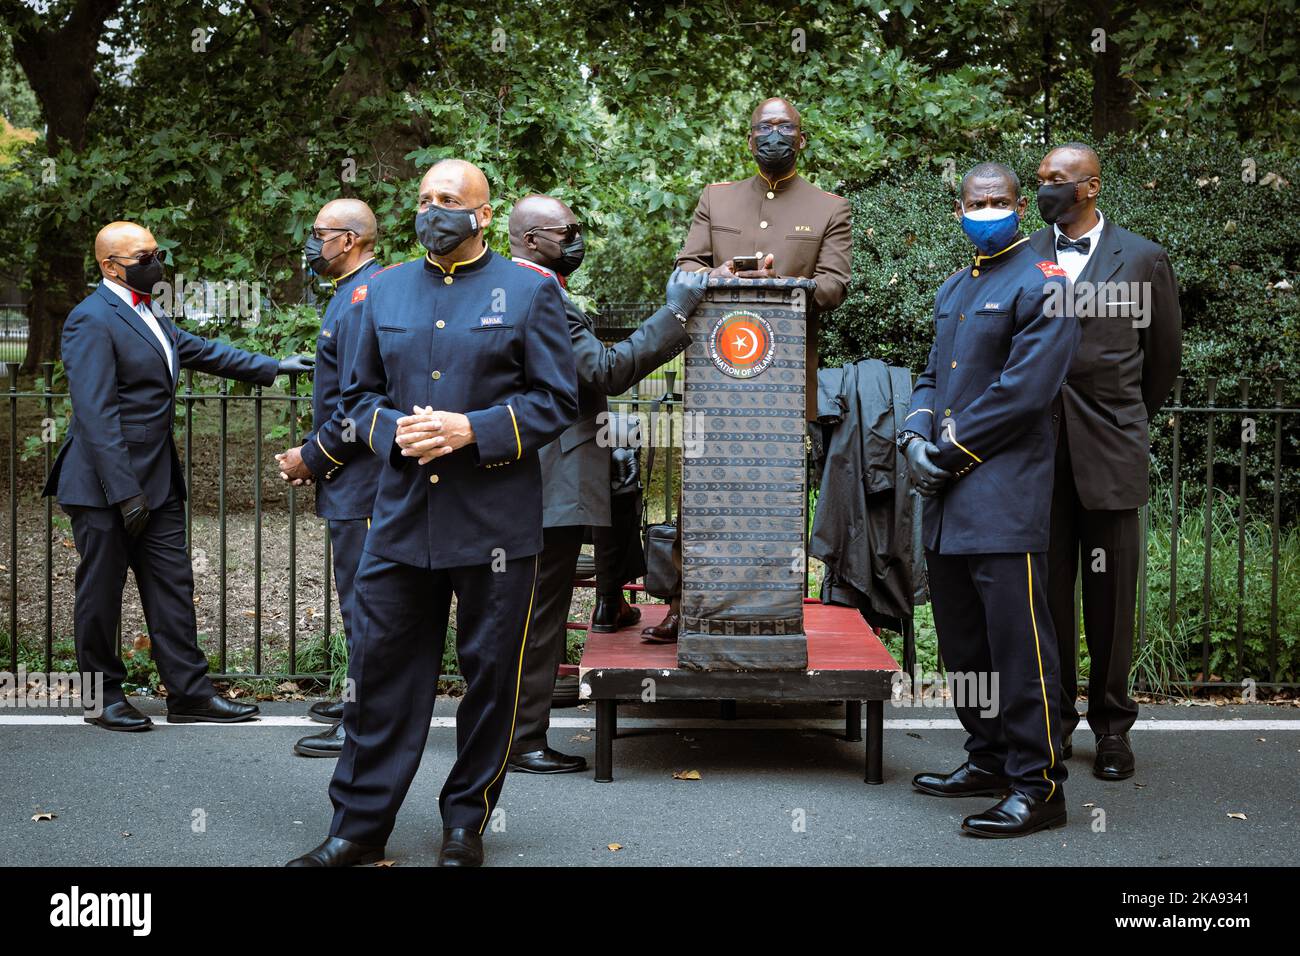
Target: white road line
{"x":686,"y":723}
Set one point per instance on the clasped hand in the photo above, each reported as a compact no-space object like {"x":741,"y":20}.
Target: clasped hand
{"x":427,"y":434}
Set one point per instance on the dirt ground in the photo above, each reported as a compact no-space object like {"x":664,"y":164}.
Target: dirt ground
{"x":241,"y":577}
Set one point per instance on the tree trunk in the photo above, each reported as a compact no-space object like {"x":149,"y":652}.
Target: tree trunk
{"x":59,"y":61}
{"x":1112,"y":94}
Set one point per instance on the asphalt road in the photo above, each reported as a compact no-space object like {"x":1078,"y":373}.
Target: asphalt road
{"x":771,"y":792}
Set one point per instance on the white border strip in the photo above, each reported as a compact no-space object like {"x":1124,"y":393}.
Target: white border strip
{"x":687,"y":723}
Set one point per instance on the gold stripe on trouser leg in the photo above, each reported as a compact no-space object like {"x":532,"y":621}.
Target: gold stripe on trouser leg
{"x":519,"y":672}
{"x":1042,"y":682}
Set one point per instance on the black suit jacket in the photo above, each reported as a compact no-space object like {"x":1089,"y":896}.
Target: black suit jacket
{"x":1124,"y":367}
{"x":575,"y":467}
{"x":123,"y":401}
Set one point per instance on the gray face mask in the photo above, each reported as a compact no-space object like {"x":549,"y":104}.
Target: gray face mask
{"x":441,"y":230}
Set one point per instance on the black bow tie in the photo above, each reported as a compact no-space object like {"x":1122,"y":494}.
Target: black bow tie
{"x":1080,"y":245}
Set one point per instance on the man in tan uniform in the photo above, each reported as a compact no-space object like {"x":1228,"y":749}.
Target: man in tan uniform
{"x":801,"y":231}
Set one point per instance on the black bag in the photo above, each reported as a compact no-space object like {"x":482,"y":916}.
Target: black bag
{"x":661,"y":577}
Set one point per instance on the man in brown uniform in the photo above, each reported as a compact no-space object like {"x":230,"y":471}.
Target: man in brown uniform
{"x":799,"y":230}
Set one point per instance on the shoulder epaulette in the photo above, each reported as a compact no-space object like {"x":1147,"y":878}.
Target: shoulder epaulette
{"x":394,"y":266}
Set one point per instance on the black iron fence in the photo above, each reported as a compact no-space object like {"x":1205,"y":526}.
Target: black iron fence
{"x":13,"y":331}
{"x":1219,"y":631}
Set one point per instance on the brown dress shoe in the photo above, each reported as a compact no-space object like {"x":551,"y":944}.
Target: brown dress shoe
{"x":664,"y":632}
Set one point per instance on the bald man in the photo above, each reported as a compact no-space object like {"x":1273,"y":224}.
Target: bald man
{"x":794,"y":228}
{"x":341,"y":249}
{"x":462,"y":371}
{"x":1126,"y":364}
{"x":119,"y":479}
{"x":546,"y":237}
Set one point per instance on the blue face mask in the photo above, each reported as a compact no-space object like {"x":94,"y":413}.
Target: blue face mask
{"x":990,"y":229}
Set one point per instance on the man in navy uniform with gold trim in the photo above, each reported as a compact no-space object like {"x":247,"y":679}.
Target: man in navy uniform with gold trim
{"x":980,"y":446}
{"x":341,"y":248}
{"x":462,"y":372}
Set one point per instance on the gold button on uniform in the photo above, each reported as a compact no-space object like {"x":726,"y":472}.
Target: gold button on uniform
{"x":438,"y":375}
{"x":446,"y":280}
{"x":961,"y":317}
{"x":441,"y":324}
{"x":433,"y":479}
{"x":954,"y":364}
{"x":947,"y":411}
{"x":974,"y":272}
{"x":763,"y":224}
{"x":770,"y":194}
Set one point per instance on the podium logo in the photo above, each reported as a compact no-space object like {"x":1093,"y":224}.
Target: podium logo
{"x":742,"y":344}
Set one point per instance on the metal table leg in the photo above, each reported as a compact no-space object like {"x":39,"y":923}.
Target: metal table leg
{"x":852,"y":720}
{"x":606,"y":728}
{"x":875,"y":741}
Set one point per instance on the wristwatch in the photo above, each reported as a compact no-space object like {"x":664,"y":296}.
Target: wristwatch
{"x":904,"y":439}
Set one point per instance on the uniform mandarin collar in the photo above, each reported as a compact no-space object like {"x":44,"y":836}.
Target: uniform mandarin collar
{"x":779,"y":184}
{"x":351,"y":276}
{"x":458,"y":268}
{"x":988,"y":262}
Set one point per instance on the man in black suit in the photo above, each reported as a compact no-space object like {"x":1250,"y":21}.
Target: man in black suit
{"x":546,"y":237}
{"x":1126,"y":299}
{"x":119,"y":479}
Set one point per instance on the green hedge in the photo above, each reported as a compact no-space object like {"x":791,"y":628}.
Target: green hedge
{"x":1231,"y":242}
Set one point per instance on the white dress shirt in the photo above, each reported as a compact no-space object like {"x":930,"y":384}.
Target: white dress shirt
{"x":1072,"y":260}
{"x":147,"y":316}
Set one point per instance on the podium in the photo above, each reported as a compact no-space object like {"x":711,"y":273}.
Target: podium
{"x":744,"y":479}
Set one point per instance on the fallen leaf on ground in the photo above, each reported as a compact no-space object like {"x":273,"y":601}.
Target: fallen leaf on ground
{"x":579,"y":737}
{"x":385,"y":863}
{"x":1237,"y":816}
{"x":686,"y":775}
{"x":615,"y":847}
{"x":44,"y":815}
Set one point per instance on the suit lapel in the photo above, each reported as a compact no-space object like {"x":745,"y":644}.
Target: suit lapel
{"x":132,"y":318}
{"x":1043,"y":244}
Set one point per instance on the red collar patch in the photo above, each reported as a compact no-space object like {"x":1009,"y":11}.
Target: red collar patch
{"x":1051,"y":269}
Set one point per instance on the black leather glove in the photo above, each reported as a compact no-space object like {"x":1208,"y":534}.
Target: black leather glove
{"x":135,"y":515}
{"x":296,"y":365}
{"x":625,"y":470}
{"x":927,"y":477}
{"x":685,"y":291}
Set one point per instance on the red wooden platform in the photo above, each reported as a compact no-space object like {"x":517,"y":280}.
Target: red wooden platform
{"x":838,"y":640}
{"x":846,"y":661}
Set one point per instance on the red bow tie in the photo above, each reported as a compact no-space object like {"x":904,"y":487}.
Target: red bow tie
{"x":137,"y":298}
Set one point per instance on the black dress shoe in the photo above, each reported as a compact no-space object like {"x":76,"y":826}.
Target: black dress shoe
{"x":613,"y":614}
{"x":327,"y":743}
{"x":461,"y":847}
{"x":120,"y":715}
{"x":1114,"y":758}
{"x":547,"y":761}
{"x":1018,"y":815}
{"x":967,"y":780}
{"x":664,"y":633}
{"x":336,"y":851}
{"x":326,"y":711}
{"x":1067,"y":747}
{"x":215,"y":710}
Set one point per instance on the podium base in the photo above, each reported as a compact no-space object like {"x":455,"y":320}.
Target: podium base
{"x":730,"y":652}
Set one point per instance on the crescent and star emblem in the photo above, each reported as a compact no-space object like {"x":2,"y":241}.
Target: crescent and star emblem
{"x":742,"y":344}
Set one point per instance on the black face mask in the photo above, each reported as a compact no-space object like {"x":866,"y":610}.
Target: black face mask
{"x":571,"y":256}
{"x":1056,"y":199}
{"x":316,"y":260}
{"x":775,"y":151}
{"x":441,"y":230}
{"x":143,"y":276}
